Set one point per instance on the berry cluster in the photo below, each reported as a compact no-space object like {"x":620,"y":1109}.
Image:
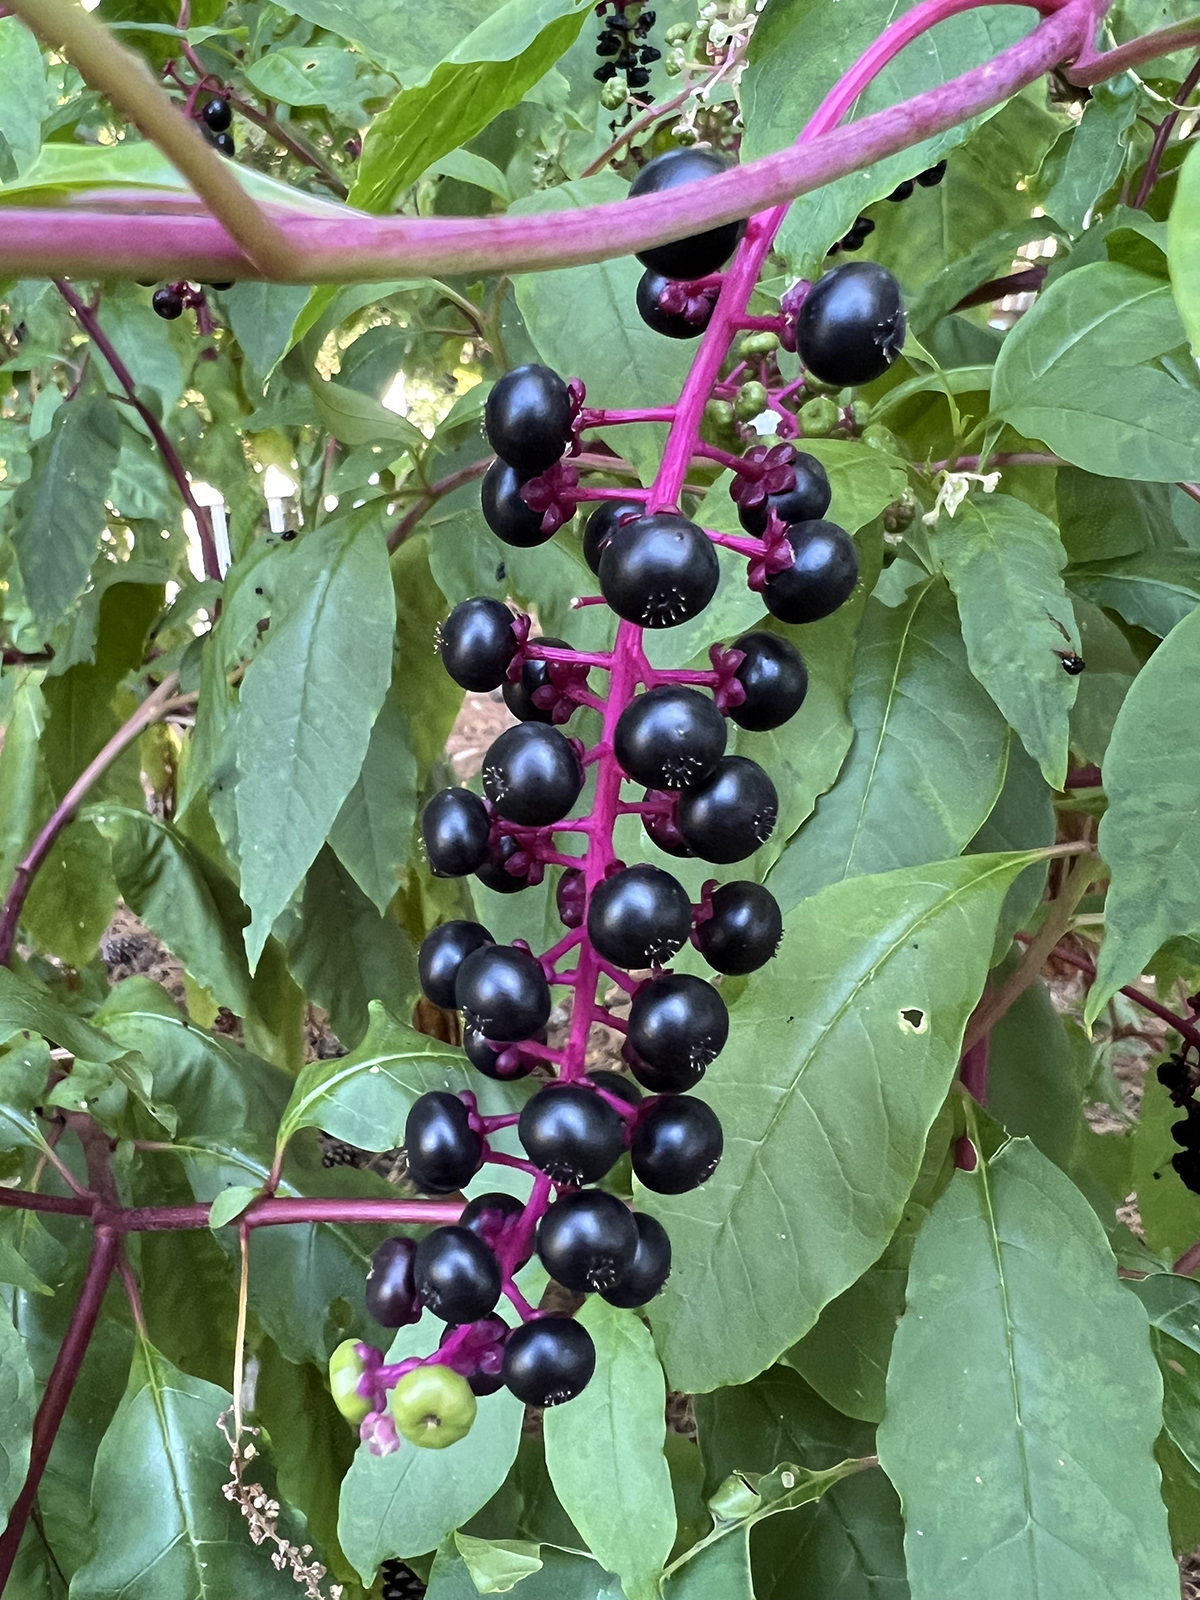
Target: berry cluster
{"x":1181,"y":1078}
{"x":622,"y":44}
{"x":863,"y":227}
{"x":666,"y":733}
{"x":216,"y":121}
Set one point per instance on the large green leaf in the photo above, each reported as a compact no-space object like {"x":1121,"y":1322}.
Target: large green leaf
{"x":1003,"y":560}
{"x":838,"y":1061}
{"x":1150,"y":834}
{"x":1173,"y":1306}
{"x":605,"y":1453}
{"x":372,"y":834}
{"x":928,"y":756}
{"x":1023,"y":1402}
{"x":562,"y":1576}
{"x":16,"y":1418}
{"x":1080,"y":371}
{"x":25,"y":103}
{"x":58,"y":514}
{"x":308,"y":703}
{"x":1088,"y":158}
{"x":1154,"y":589}
{"x":1183,"y":247}
{"x":163,"y":1527}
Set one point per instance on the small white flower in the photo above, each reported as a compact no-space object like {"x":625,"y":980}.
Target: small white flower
{"x":954,"y":489}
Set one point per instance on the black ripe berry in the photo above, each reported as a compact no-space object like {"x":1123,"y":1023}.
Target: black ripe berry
{"x":442,"y":953}
{"x":443,"y":1150}
{"x":532,"y":775}
{"x":495,"y":873}
{"x":616,"y":1084}
{"x":217,"y":115}
{"x":851,"y":327}
{"x":549,"y":1361}
{"x":821,"y":577}
{"x":503,"y":1064}
{"x":659,"y":571}
{"x":601,"y":525}
{"x":477,"y":643}
{"x":505,"y":513}
{"x":702,"y":253}
{"x":571,"y":1134}
{"x":528,"y":418}
{"x":775,"y":679}
{"x":480,"y":1358}
{"x":455,"y":827}
{"x":535,"y":675}
{"x":457,"y":1276}
{"x":587,"y":1241}
{"x":570,"y":898}
{"x":492,"y":1216}
{"x":223,"y":144}
{"x":806,"y":501}
{"x":744,"y":930}
{"x":503,"y":993}
{"x":651,"y":1266}
{"x":660,"y":824}
{"x":639,"y":917}
{"x":669,"y":737}
{"x":657,"y":301}
{"x":391,"y":1291}
{"x":676,"y":1144}
{"x":932,"y":176}
{"x":677,"y":1025}
{"x":903,"y":191}
{"x":167,"y":303}
{"x":731,"y":813}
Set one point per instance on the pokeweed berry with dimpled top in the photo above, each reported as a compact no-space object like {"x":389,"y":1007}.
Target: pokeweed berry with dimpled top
{"x":851,"y":326}
{"x":502,"y":992}
{"x":571,"y":1133}
{"x":532,"y":775}
{"x":774,"y":681}
{"x":549,"y":1361}
{"x":639,"y":917}
{"x":442,"y":1148}
{"x":659,"y":571}
{"x":822,"y":575}
{"x":678,"y":1025}
{"x":677,"y":1144}
{"x":727,"y":816}
{"x":742,"y":929}
{"x":455,"y":827}
{"x":456,"y":1274}
{"x":669,"y":737}
{"x":588,"y":1241}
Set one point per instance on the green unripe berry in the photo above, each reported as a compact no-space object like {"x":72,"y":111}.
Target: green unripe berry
{"x":819,"y":417}
{"x":346,"y":1367}
{"x":719,"y":417}
{"x":759,"y":344}
{"x":882,"y":438}
{"x":751,"y":402}
{"x":432,"y":1406}
{"x":678,"y":33}
{"x":673,"y":63}
{"x":860,"y":414}
{"x":613,"y":95}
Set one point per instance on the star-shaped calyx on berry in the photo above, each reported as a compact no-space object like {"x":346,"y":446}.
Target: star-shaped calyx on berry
{"x":766,"y":469}
{"x":790,"y":308}
{"x":553,"y":495}
{"x":777,"y":554}
{"x":728,"y":691}
{"x":693,"y":302}
{"x":562,"y":693}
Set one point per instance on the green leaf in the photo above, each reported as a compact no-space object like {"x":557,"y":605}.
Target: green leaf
{"x":302,"y":77}
{"x":928,"y":756}
{"x":485,"y":74}
{"x":1088,"y":158}
{"x":1011,"y":1449}
{"x":1154,"y":589}
{"x":1035,"y":1081}
{"x":1150,"y":834}
{"x":308,"y":702}
{"x":831,"y":1061}
{"x":263,"y":315}
{"x":372,"y":833}
{"x":230,"y":1204}
{"x":357,"y":419}
{"x":1183,"y":246}
{"x":162,"y":1525}
{"x":23,"y":1007}
{"x":16,"y":1413}
{"x":562,"y":1576}
{"x":1102,"y":518}
{"x":1173,"y":1306}
{"x":497,"y":1565}
{"x":1080,"y":371}
{"x":605,"y":1453}
{"x":177,"y":892}
{"x":58,"y":513}
{"x":1023,"y":818}
{"x":1003,"y":560}
{"x":1169,"y":1211}
{"x":25,"y":101}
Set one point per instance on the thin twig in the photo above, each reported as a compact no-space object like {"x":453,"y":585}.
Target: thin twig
{"x":1163,"y":137}
{"x":1027,"y":282}
{"x":1186,"y":1030}
{"x":1092,"y":68}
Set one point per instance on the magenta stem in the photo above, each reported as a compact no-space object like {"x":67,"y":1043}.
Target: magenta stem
{"x":608,"y":494}
{"x":570,"y":658}
{"x":522,"y":1307}
{"x":592,"y":418}
{"x":752,"y":549}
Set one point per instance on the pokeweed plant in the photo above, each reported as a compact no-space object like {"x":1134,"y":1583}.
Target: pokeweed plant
{"x":890,"y":670}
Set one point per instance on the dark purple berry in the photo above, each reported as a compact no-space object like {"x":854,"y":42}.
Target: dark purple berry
{"x":822,"y":575}
{"x":549,"y":1361}
{"x":701,"y":253}
{"x":391,"y":1292}
{"x":851,"y":326}
{"x":587,"y":1241}
{"x":806,"y":501}
{"x":616,"y":1084}
{"x":744,"y":930}
{"x":571,"y":1134}
{"x":504,"y":1064}
{"x":678,"y":1025}
{"x":528,"y":418}
{"x":455,"y":826}
{"x":677,"y":1144}
{"x":902,"y":191}
{"x":639,"y":917}
{"x":218,"y":115}
{"x":601,"y":525}
{"x":657,"y":298}
{"x":505,"y":513}
{"x":669,"y":737}
{"x":659,"y":571}
{"x":571,"y":898}
{"x":502,"y":991}
{"x":932,"y":176}
{"x":532,"y":775}
{"x":456,"y":1275}
{"x":538,"y":678}
{"x":775,"y":680}
{"x":441,"y":955}
{"x":167,"y":303}
{"x":495,"y":873}
{"x":731,"y":813}
{"x":479,"y":1358}
{"x":492,"y":1216}
{"x":660,"y":824}
{"x":442,"y":1148}
{"x":650,"y":1269}
{"x":477,"y":643}
{"x":224,"y":144}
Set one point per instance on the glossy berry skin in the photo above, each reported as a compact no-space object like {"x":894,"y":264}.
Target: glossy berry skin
{"x":532,"y":775}
{"x":603,"y":523}
{"x":432,"y":1406}
{"x":346,"y":1367}
{"x":442,"y":953}
{"x":443,"y":1150}
{"x":671,"y":324}
{"x":744,"y":930}
{"x":660,"y":827}
{"x":571,"y":1134}
{"x":587,"y":1241}
{"x":391,"y":1292}
{"x":650,"y":1269}
{"x":677,"y":1026}
{"x":821,"y":577}
{"x":528,"y":418}
{"x":775,"y":680}
{"x":480,"y":1357}
{"x":616,"y":1084}
{"x":659,"y":571}
{"x":669,"y":737}
{"x":639,"y":917}
{"x":224,"y":144}
{"x":549,"y":1361}
{"x":217,"y":115}
{"x":851,"y":327}
{"x":506,"y":1065}
{"x":807,"y":501}
{"x":457,"y":1276}
{"x":731,"y":813}
{"x":503,"y":993}
{"x":677,"y":1144}
{"x":495,"y":874}
{"x":535,"y":675}
{"x":477,"y":643}
{"x":455,"y":827}
{"x":167,"y":303}
{"x":930,"y":178}
{"x":491,"y":1216}
{"x":505,"y":513}
{"x":702,"y":253}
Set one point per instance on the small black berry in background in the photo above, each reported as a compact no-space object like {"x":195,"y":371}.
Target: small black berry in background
{"x":532,"y":775}
{"x":669,"y":737}
{"x":549,"y":1361}
{"x":822,"y":575}
{"x":223,"y":144}
{"x":731,"y":813}
{"x":218,"y":115}
{"x":456,"y":1275}
{"x":1073,"y":665}
{"x":587,"y":1241}
{"x":902,"y":191}
{"x":336,"y":1153}
{"x":650,"y":1269}
{"x":677,"y":1145}
{"x":603,"y":523}
{"x":528,"y":418}
{"x":443,"y":1150}
{"x":744,"y":930}
{"x":537,"y":683}
{"x":775,"y":681}
{"x":167,"y":303}
{"x":491,"y":1216}
{"x":505,"y":513}
{"x":571,"y":1134}
{"x":932,"y":176}
{"x":678,"y":1026}
{"x":702,"y":253}
{"x":659,"y":571}
{"x":442,"y":953}
{"x":851,"y":326}
{"x":477,"y":642}
{"x":502,"y":992}
{"x":639,"y":917}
